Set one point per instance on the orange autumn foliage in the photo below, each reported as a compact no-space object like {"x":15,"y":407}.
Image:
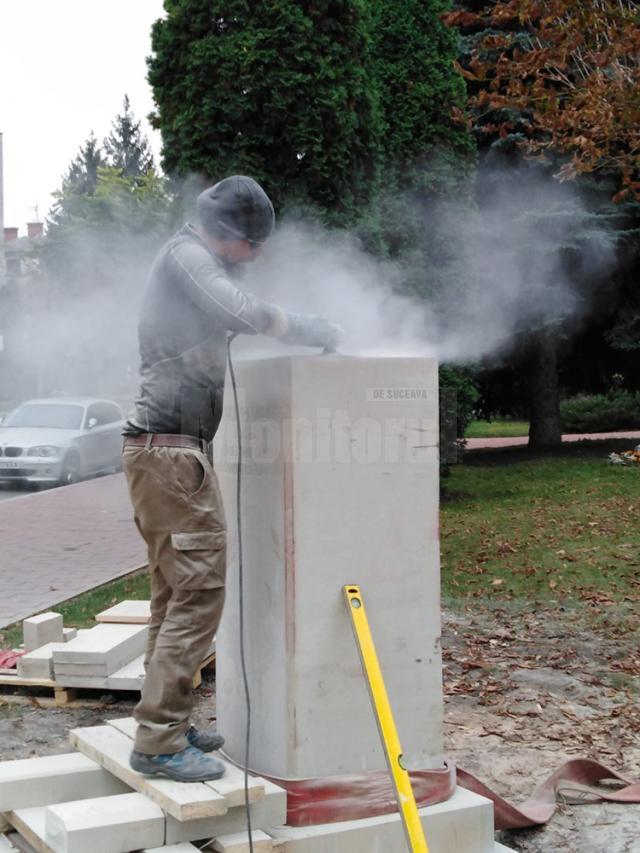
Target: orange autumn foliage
{"x":573,"y":68}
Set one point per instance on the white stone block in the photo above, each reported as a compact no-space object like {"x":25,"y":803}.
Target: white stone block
{"x":173,"y":848}
{"x":39,"y":630}
{"x":90,"y":682}
{"x":239,"y":843}
{"x":93,"y":670}
{"x":133,"y":612}
{"x":39,"y":662}
{"x":116,"y":824}
{"x":31,"y":782}
{"x":340,"y":485}
{"x":5,"y":846}
{"x":130,"y":677}
{"x":464,"y":824}
{"x":111,"y":646}
{"x":270,"y":811}
{"x":69,"y":634}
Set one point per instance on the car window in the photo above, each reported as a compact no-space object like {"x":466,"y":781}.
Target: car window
{"x":52,"y":415}
{"x":104,"y":413}
{"x":112,"y":413}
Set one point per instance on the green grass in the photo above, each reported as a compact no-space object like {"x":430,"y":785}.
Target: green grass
{"x":496,"y":429}
{"x":79,"y":612}
{"x":562,"y":529}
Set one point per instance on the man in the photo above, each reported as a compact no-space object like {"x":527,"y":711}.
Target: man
{"x":189,"y":307}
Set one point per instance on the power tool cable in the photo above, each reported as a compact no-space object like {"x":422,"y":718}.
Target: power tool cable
{"x":243,"y":661}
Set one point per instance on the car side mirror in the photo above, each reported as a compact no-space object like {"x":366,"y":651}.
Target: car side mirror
{"x":92,"y":423}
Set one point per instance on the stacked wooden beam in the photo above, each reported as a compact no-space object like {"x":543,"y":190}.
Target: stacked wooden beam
{"x":92,"y":800}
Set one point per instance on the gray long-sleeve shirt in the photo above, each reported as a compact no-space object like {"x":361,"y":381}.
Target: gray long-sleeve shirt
{"x":189,"y":306}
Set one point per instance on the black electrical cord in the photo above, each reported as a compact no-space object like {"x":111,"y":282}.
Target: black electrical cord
{"x":243,"y":661}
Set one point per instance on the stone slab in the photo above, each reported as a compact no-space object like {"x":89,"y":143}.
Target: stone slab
{"x":69,"y":634}
{"x":4,"y":823}
{"x":239,"y":843}
{"x":91,"y":682}
{"x":131,"y":612}
{"x":270,"y":811}
{"x":463,"y":824}
{"x":340,"y":485}
{"x":230,"y":786}
{"x":92,"y":670}
{"x":116,"y":824}
{"x":30,"y":824}
{"x":113,"y":646}
{"x":31,"y":782}
{"x":39,"y":662}
{"x":5,"y":846}
{"x":185,"y":801}
{"x":130,"y":677}
{"x":39,"y":630}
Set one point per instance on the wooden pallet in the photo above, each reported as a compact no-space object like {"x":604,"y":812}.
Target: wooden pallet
{"x":69,"y":696}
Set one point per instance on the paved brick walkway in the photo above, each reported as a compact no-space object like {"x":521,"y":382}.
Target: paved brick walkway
{"x":493,"y":443}
{"x":59,"y":543}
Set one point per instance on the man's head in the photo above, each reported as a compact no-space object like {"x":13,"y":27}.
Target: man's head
{"x":236,"y":217}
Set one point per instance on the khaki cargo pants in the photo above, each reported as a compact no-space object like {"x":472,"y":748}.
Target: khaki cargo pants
{"x":178,"y":510}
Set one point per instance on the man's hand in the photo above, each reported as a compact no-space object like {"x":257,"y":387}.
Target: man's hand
{"x":310,"y":330}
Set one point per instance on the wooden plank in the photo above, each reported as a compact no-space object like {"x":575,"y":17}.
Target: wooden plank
{"x":30,"y":825}
{"x":128,"y":612}
{"x":65,"y":696}
{"x":16,"y":681}
{"x":230,"y":786}
{"x":183,"y":800}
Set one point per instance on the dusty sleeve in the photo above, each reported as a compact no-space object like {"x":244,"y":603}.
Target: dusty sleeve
{"x":207,"y":285}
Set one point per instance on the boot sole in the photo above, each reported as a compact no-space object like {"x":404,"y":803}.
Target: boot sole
{"x":208,"y":777}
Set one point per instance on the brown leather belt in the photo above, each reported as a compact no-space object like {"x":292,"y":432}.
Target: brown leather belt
{"x":148,"y":439}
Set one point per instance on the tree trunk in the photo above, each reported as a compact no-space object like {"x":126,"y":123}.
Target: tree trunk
{"x":544,"y":427}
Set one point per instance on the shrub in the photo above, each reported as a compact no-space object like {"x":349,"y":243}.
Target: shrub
{"x":616,"y":410}
{"x":458,"y":395}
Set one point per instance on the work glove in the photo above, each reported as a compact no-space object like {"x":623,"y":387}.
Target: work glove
{"x":310,"y":330}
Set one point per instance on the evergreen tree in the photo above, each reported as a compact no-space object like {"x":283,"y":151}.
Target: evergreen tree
{"x":82,"y":175}
{"x":277,"y":90}
{"x":126,"y":147}
{"x":422,"y":96}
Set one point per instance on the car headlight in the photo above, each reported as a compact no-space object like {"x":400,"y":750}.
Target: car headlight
{"x":43,"y":450}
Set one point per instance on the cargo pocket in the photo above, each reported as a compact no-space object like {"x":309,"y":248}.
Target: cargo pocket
{"x":200,"y":559}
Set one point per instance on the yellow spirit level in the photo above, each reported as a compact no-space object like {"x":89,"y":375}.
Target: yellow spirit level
{"x":384,"y":718}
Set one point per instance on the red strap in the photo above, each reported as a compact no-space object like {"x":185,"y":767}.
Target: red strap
{"x":336,"y":798}
{"x":339,"y":798}
{"x":9,"y":658}
{"x":574,"y":780}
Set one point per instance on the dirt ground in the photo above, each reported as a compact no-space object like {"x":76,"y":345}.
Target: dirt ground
{"x":524,"y":693}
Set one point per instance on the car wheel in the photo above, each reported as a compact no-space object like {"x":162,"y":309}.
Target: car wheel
{"x":70,"y":470}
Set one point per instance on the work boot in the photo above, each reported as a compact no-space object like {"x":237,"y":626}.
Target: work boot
{"x":188,"y":765}
{"x":204,"y":741}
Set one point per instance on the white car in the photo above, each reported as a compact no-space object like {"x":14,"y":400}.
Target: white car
{"x":60,"y":440}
